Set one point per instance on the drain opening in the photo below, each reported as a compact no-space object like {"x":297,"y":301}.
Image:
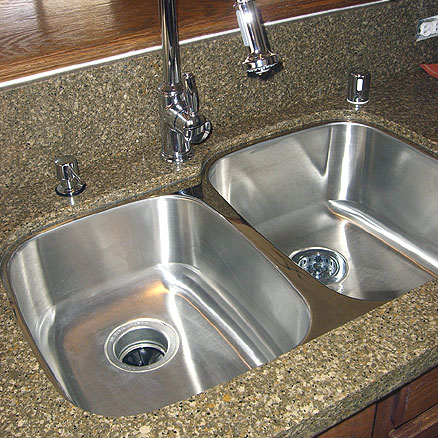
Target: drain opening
{"x":326,"y":265}
{"x":142,"y":354}
{"x":141,"y":345}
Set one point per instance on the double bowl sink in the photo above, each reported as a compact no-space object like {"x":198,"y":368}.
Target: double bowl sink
{"x":150,"y":302}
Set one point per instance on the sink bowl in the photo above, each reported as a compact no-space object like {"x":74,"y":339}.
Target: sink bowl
{"x":148,"y":303}
{"x":349,"y":203}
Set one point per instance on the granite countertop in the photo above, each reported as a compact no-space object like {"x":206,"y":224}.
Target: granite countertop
{"x":300,"y":393}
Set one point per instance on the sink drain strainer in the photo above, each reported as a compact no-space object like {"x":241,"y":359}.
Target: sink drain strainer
{"x":141,"y":345}
{"x":324,"y":264}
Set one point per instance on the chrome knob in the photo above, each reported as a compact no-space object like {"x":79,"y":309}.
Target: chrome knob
{"x":358,"y":87}
{"x":67,"y":172}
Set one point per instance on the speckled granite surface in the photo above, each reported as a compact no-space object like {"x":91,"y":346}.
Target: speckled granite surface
{"x":107,"y":118}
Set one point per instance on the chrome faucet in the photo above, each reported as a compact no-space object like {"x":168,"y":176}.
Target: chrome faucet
{"x":181,"y":124}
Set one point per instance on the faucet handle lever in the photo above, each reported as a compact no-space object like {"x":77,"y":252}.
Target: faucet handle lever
{"x":190,"y":92}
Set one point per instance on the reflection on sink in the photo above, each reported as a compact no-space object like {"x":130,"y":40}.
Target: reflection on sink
{"x":342,"y":187}
{"x":149,"y":303}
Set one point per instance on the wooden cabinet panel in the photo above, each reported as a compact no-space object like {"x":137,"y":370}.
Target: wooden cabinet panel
{"x":358,"y":426}
{"x":416,"y":397}
{"x":383,"y":421}
{"x":410,"y":412}
{"x":406,"y":403}
{"x":423,"y":426}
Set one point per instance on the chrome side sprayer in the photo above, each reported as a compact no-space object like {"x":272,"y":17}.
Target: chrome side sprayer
{"x":260,"y":58}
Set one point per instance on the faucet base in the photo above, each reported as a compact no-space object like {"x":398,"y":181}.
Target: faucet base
{"x":176,"y":149}
{"x":177,"y":158}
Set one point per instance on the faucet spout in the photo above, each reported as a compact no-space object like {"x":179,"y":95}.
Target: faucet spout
{"x":181,"y":124}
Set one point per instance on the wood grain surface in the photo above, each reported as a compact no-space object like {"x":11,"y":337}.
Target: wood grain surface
{"x":423,"y":426}
{"x":41,"y":35}
{"x":359,"y":425}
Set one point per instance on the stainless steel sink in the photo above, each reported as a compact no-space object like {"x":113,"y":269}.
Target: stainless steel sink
{"x":148,"y":303}
{"x":352,"y":205}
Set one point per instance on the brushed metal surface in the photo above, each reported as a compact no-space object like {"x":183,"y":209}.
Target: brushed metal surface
{"x":171,"y":259}
{"x":344,"y":186}
{"x":228,"y":289}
